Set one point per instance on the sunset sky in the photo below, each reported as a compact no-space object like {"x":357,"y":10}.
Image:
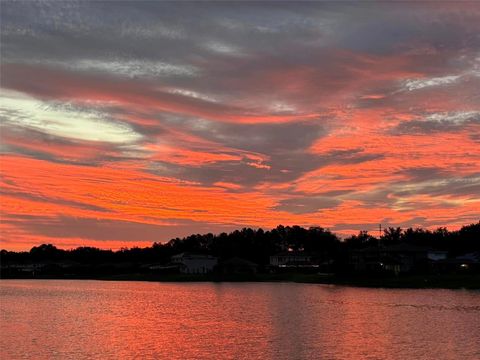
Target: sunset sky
{"x":128,"y":123}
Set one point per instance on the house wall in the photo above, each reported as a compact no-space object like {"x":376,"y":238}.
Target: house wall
{"x":198,"y":266}
{"x":289,"y":259}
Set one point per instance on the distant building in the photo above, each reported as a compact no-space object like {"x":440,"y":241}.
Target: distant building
{"x":464,"y":263}
{"x":366,"y":260}
{"x":189,"y":263}
{"x":398,"y":258}
{"x":23,"y":268}
{"x":293,"y":259}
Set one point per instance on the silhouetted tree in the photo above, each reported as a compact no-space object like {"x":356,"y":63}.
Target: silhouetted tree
{"x":362,"y":240}
{"x":256,"y":245}
{"x":391,"y":236}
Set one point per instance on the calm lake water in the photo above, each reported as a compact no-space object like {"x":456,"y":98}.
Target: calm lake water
{"x":61,"y":319}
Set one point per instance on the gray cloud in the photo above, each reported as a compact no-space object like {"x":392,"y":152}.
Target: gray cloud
{"x":44,"y":146}
{"x":307,"y":205}
{"x":454,"y":186}
{"x":282,"y":167}
{"x":134,"y":36}
{"x":446,"y":122}
{"x":424,"y":173}
{"x":442,"y":190}
{"x":64,"y":227}
{"x":263,"y":137}
{"x":44,"y":199}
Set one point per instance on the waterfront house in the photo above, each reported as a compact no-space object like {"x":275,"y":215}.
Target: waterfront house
{"x":464,"y":263}
{"x":294,"y":259}
{"x":189,"y":263}
{"x":398,"y":258}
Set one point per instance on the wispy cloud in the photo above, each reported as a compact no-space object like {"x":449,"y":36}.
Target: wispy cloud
{"x":435,"y":81}
{"x":63,"y":120}
{"x":439,"y":122}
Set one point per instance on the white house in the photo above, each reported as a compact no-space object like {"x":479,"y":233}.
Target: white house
{"x":194,"y":263}
{"x":291,"y":259}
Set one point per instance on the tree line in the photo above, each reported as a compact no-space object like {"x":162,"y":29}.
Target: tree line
{"x":258,"y":245}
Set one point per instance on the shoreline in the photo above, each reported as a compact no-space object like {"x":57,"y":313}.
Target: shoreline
{"x":458,"y":281}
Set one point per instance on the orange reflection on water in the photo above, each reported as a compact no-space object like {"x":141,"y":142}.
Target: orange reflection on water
{"x":112,"y":320}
